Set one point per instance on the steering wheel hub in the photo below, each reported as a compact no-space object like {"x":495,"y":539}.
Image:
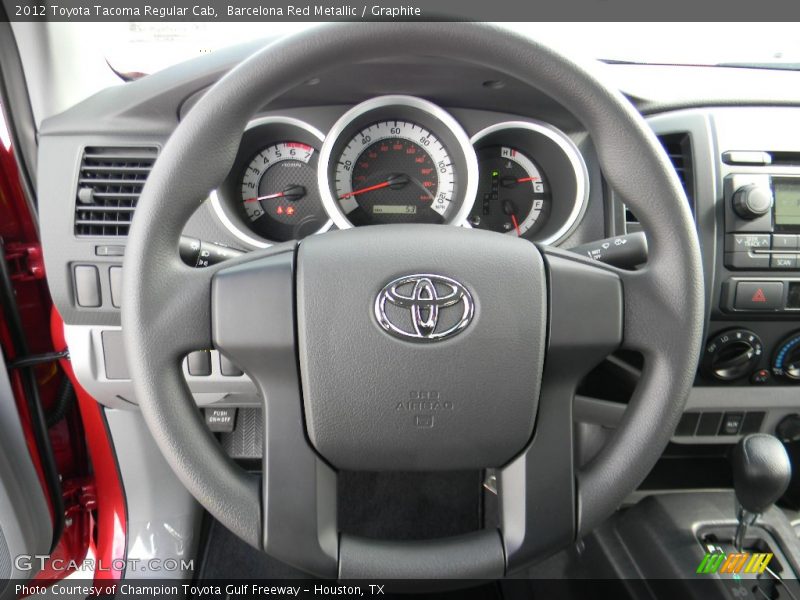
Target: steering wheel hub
{"x":375,"y":401}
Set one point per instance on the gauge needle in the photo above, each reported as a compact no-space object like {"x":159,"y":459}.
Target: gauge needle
{"x":510,"y":210}
{"x":293,"y":192}
{"x":512,"y":181}
{"x":395,"y":182}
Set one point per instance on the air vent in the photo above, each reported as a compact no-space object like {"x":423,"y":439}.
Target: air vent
{"x":679,"y":149}
{"x":109,"y":185}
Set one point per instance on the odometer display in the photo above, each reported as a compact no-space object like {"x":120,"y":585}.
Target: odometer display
{"x":393,"y":209}
{"x":395,"y":172}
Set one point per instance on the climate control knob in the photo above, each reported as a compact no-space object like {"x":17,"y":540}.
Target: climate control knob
{"x":732,"y":354}
{"x":786,"y":362}
{"x":752,"y":201}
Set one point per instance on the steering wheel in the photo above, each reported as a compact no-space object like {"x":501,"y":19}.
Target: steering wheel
{"x":340,"y":393}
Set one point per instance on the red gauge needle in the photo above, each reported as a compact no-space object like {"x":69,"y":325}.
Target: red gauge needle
{"x":396,"y":182}
{"x":377,"y":186}
{"x":516,"y":225}
{"x":510,"y":181}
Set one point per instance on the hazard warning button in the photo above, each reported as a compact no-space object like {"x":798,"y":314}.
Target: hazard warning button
{"x":758,"y":295}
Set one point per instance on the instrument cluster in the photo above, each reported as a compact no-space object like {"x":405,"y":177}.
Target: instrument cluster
{"x":401,"y":159}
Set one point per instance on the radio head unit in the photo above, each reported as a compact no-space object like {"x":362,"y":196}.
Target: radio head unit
{"x":762,"y":222}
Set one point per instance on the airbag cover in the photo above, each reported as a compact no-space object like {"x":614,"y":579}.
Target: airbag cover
{"x":378,"y":400}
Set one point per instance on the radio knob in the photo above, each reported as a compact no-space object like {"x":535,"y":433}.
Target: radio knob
{"x":752,"y":201}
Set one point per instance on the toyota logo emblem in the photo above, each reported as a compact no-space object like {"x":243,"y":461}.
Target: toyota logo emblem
{"x":424,"y":307}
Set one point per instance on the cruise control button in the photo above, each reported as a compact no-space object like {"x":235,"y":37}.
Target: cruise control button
{"x":742,"y":242}
{"x":783,"y":261}
{"x":758,"y":295}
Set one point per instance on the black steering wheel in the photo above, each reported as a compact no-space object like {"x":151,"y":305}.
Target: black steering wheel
{"x":339,"y":392}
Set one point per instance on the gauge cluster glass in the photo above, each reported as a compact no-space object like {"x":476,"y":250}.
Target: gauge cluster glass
{"x":401,"y":159}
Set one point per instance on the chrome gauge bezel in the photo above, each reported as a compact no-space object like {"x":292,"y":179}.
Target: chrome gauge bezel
{"x":409,"y":108}
{"x":521,"y":135}
{"x":221,"y":204}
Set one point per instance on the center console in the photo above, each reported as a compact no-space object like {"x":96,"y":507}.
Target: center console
{"x":721,"y":544}
{"x":741,"y":169}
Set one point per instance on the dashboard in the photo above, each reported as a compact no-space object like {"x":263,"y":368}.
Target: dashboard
{"x":450,"y":144}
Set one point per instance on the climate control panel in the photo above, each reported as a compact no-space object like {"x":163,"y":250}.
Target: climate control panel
{"x":740,"y":356}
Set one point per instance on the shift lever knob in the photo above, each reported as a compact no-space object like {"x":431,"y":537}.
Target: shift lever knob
{"x":761,"y":472}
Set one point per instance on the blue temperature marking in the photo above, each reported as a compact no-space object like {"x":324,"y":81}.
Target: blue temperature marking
{"x":784,"y":350}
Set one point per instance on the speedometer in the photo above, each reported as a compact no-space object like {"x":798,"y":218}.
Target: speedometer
{"x":395,"y":172}
{"x":397,"y":159}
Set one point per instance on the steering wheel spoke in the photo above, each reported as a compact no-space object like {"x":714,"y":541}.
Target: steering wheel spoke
{"x":253,"y":323}
{"x":537,"y":489}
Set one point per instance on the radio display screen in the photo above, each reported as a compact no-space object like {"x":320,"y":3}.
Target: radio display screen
{"x":787,"y":201}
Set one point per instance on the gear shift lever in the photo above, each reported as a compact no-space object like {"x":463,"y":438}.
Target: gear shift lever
{"x":761,"y":474}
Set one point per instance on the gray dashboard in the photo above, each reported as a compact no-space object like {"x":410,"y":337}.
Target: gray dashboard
{"x":143,"y":114}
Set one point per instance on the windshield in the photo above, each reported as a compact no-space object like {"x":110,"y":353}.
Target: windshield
{"x":142,"y":48}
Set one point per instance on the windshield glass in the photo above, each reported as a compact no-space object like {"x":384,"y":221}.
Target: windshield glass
{"x":149,"y":47}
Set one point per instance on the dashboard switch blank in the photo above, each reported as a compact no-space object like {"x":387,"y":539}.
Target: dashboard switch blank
{"x":87,"y":286}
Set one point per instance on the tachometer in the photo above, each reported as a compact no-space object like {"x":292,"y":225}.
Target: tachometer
{"x":271,"y":193}
{"x":279,"y":192}
{"x":397,"y":159}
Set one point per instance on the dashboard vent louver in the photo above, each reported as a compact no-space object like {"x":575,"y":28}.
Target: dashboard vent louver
{"x":109,"y":185}
{"x":679,"y":150}
{"x":678,"y":147}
